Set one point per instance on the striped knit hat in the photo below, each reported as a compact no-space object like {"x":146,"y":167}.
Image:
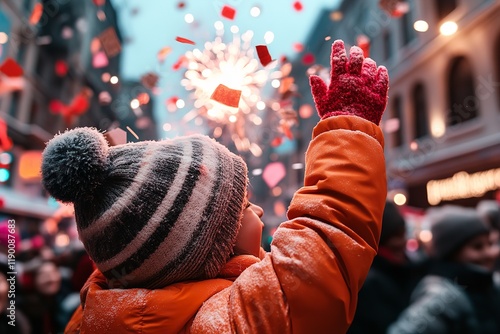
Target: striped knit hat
{"x":149,"y":213}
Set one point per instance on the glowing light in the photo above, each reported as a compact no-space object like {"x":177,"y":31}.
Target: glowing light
{"x":269,"y":37}
{"x":167,"y":127}
{"x":298,"y":165}
{"x":255,"y":11}
{"x":235,"y":29}
{"x":134,"y":104}
{"x":235,"y":65}
{"x":421,"y":26}
{"x":448,"y":28}
{"x":5,"y":158}
{"x":4,"y":38}
{"x":257,"y":171}
{"x":413,"y":146}
{"x":189,"y":18}
{"x":336,"y":16}
{"x":114,"y":80}
{"x":219,"y":25}
{"x":425,"y":236}
{"x":180,"y":103}
{"x":275,"y":83}
{"x":62,"y":240}
{"x":105,"y":77}
{"x":276,"y":191}
{"x":400,"y":199}
{"x":4,"y":174}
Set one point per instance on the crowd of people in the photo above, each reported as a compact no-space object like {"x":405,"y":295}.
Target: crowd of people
{"x":172,"y":243}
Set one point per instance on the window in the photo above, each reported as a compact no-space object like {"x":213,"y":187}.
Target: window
{"x":387,"y":44}
{"x":420,"y":111}
{"x":407,"y":26}
{"x":463,"y":104}
{"x":397,"y":114}
{"x":444,"y":7}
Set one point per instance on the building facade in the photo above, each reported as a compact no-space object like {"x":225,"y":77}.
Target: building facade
{"x":442,"y":120}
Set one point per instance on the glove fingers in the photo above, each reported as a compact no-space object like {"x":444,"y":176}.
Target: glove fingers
{"x":338,"y":60}
{"x":382,"y":84}
{"x":319,"y":91}
{"x":369,"y":71}
{"x":355,"y":60}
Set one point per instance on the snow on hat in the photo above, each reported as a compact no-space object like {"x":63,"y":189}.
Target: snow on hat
{"x":149,"y":213}
{"x":452,"y":227}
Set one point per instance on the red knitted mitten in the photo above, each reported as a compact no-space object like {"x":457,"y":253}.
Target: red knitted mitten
{"x":357,"y":86}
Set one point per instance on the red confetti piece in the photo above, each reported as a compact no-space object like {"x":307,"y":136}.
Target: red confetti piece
{"x":99,"y":2}
{"x":184,"y":40}
{"x":264,"y":56}
{"x":11,"y":68}
{"x":181,"y":5}
{"x":36,"y":14}
{"x":227,"y":96}
{"x":163,"y":53}
{"x":228,"y":12}
{"x":5,"y":141}
{"x":297,"y":5}
{"x":277,"y":141}
{"x":179,"y":63}
{"x":299,"y":47}
{"x":61,"y":68}
{"x":308,"y":59}
{"x":364,"y":43}
{"x":149,"y":80}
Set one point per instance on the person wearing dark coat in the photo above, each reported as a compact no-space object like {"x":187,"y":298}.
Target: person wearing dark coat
{"x":460,"y":294}
{"x":391,"y":279}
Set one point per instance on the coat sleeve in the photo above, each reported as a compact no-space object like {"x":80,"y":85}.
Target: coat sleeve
{"x":320,"y":257}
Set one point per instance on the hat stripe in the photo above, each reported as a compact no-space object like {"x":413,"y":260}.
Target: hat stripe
{"x":169,"y":220}
{"x":175,"y":266}
{"x":106,"y":218}
{"x":127,"y":162}
{"x":168,"y":171}
{"x":221,"y":217}
{"x":180,"y":236}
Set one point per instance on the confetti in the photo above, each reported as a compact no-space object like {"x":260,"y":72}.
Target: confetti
{"x":227,"y":96}
{"x":149,"y":80}
{"x":100,"y":60}
{"x":286,"y":84}
{"x":99,"y":2}
{"x":110,"y":42}
{"x":297,"y":5}
{"x":180,"y":62}
{"x":11,"y":68}
{"x":61,"y":68}
{"x":364,"y":43}
{"x":181,"y":5}
{"x":228,"y":12}
{"x":5,"y":142}
{"x":95,"y":45}
{"x":308,"y":59}
{"x":36,"y":14}
{"x":298,"y":47}
{"x":116,"y":137}
{"x":264,"y":56}
{"x":163,"y":53}
{"x":184,"y":40}
{"x":273,"y":174}
{"x":133,"y":133}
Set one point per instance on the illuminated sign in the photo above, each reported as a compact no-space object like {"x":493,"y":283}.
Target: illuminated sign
{"x":463,"y":185}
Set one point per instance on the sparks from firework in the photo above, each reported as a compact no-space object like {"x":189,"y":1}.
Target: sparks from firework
{"x":235,"y":65}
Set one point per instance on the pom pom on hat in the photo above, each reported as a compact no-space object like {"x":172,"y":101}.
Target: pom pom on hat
{"x":74,"y":164}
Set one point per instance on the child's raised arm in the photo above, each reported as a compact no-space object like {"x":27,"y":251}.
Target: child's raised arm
{"x":320,"y":257}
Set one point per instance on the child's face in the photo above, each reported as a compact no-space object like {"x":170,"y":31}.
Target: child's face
{"x":250,"y":233}
{"x":480,"y":251}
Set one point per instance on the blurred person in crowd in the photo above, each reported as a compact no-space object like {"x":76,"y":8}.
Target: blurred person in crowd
{"x":391,"y":279}
{"x":460,"y":294}
{"x":490,"y":211}
{"x":46,"y":292}
{"x":177,"y":242}
{"x":12,"y":319}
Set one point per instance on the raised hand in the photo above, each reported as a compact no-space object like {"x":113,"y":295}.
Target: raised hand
{"x":357,"y":87}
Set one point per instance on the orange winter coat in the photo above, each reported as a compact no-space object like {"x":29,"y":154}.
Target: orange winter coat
{"x":310,"y":280}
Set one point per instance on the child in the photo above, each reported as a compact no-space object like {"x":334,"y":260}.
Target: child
{"x":460,"y":294}
{"x":177,"y":244}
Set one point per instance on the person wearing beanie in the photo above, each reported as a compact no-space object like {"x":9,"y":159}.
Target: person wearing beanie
{"x":460,"y":293}
{"x":177,"y":244}
{"x":391,"y":279}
